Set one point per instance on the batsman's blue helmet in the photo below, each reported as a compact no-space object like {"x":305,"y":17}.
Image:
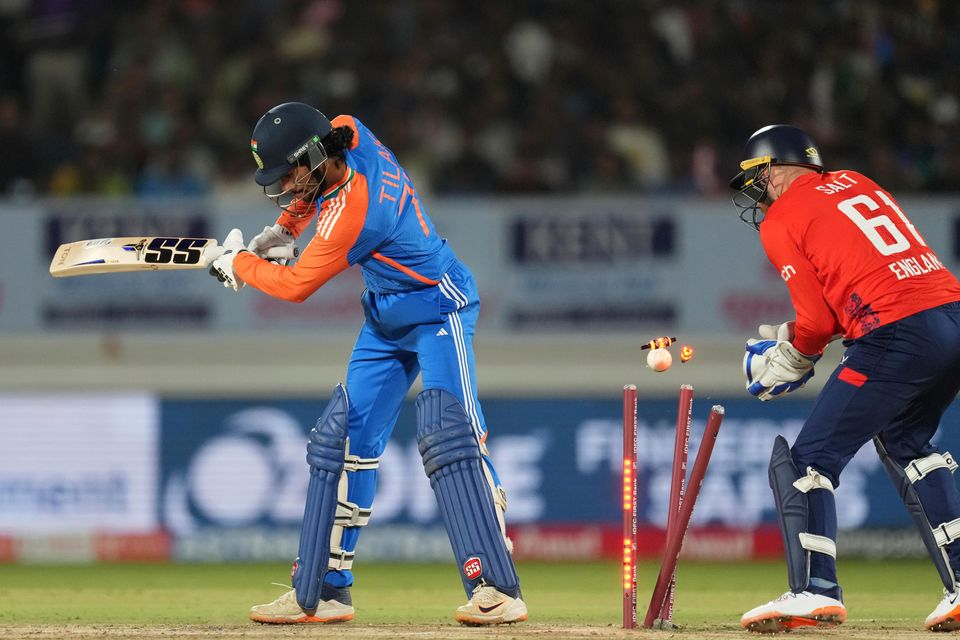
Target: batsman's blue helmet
{"x":288,"y":135}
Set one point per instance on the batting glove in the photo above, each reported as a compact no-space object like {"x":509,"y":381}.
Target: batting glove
{"x":274,"y":243}
{"x":775,"y":367}
{"x":222,"y":267}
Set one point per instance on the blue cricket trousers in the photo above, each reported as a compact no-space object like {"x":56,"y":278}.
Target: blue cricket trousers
{"x":428,"y":332}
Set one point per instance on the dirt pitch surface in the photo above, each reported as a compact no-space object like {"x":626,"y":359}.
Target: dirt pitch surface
{"x":421,"y":632}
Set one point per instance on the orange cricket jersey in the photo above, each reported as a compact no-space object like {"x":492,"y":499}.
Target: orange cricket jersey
{"x":851,"y":259}
{"x":373,"y":218}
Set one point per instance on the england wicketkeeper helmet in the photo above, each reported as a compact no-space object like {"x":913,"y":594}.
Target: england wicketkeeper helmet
{"x":773,"y":144}
{"x":287,"y":136}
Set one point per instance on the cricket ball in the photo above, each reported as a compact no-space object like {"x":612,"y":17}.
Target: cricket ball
{"x":659,"y":360}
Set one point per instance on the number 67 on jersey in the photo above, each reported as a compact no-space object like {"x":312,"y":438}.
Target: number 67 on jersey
{"x":137,"y":253}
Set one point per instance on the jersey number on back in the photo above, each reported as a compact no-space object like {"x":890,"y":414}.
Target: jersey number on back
{"x":851,"y":207}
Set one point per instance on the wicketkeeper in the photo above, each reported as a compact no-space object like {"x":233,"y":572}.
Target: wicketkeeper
{"x":855,"y":266}
{"x":421,"y":306}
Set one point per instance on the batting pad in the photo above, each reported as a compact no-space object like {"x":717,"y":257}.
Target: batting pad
{"x":453,"y":462}
{"x":325,"y":454}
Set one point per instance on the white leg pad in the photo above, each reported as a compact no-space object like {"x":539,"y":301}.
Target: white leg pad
{"x":917,"y":469}
{"x":499,"y":498}
{"x":947,"y":532}
{"x":820,"y":544}
{"x":348,"y":514}
{"x":813,"y":480}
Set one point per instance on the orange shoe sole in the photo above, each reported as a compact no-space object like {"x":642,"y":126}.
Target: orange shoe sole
{"x":476,"y":622}
{"x":301,"y":619}
{"x":949,"y":622}
{"x":776,"y":622}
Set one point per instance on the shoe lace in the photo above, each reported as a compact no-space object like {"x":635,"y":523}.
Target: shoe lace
{"x":484,"y":594}
{"x":291,"y":594}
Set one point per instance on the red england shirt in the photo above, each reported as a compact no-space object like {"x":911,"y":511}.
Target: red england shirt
{"x":850,"y":257}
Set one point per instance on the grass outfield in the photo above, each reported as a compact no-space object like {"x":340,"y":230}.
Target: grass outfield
{"x":569,"y":600}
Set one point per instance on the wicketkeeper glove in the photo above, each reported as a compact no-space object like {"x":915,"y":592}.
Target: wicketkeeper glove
{"x":775,"y":367}
{"x":782,"y":331}
{"x":222,"y":267}
{"x":274,"y":243}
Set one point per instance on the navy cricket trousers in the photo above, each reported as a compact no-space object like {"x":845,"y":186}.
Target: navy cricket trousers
{"x":896,"y":381}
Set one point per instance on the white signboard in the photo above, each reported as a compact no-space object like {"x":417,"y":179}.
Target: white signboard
{"x":541,"y":264}
{"x":78,"y":463}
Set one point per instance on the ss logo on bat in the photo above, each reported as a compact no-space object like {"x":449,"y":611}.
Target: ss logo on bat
{"x":174,"y":250}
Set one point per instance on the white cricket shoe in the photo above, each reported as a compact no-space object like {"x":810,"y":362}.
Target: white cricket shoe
{"x":792,"y":610}
{"x":285,"y":610}
{"x":946,"y":617}
{"x":489,"y":606}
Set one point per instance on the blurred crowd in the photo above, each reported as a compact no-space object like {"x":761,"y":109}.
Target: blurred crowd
{"x":158,"y":97}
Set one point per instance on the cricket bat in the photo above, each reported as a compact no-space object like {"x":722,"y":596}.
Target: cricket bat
{"x":114,"y":255}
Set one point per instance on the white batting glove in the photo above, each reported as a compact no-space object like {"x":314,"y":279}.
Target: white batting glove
{"x":782,"y":331}
{"x":775,"y":367}
{"x":274,"y":243}
{"x":222,"y":267}
{"x":212,"y":253}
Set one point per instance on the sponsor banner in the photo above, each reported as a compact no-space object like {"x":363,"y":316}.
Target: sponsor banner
{"x":235,"y":465}
{"x":557,"y":542}
{"x":7,"y":549}
{"x":161,"y":299}
{"x":153,"y":546}
{"x":78,"y":463}
{"x":585,"y":542}
{"x":410,"y":543}
{"x":389,"y":543}
{"x":83,"y":548}
{"x":75,"y":548}
{"x":237,"y":544}
{"x":881,"y":543}
{"x":544,"y":264}
{"x":576,"y":263}
{"x":225,"y":480}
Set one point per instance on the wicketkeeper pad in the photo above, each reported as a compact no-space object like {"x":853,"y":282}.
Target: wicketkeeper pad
{"x":909,"y":481}
{"x":453,"y":462}
{"x":325,"y":454}
{"x":790,"y":492}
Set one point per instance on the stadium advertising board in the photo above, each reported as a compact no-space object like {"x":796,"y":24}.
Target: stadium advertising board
{"x":133,"y":477}
{"x":166,"y":299}
{"x":542,"y":265}
{"x":233,"y":479}
{"x":78,"y":476}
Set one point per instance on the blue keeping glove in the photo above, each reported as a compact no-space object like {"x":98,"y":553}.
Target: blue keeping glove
{"x":775,"y":367}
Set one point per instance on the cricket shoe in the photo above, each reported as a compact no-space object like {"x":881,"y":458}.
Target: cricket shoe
{"x":793,"y":610}
{"x":335,"y":606}
{"x":946,"y":617}
{"x":488,"y":606}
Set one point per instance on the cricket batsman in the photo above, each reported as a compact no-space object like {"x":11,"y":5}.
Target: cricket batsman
{"x":856,"y":267}
{"x":421,"y":307}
